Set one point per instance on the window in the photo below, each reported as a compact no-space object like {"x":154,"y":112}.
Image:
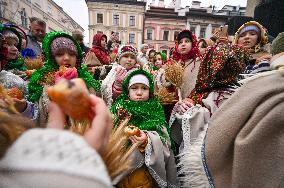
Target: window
{"x":131,"y":38}
{"x":166,"y":35}
{"x":100,"y":18}
{"x":176,"y":34}
{"x":115,"y":19}
{"x":202,"y":33}
{"x":24,"y":18}
{"x":38,"y":3}
{"x":132,"y":21}
{"x":192,"y":29}
{"x":149,"y":34}
{"x":49,"y":8}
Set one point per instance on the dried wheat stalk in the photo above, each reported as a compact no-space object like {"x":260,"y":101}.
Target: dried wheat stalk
{"x":6,"y":102}
{"x":116,"y":156}
{"x":174,"y":74}
{"x":165,"y":96}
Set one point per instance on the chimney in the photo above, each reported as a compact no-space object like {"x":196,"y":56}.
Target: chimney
{"x":161,"y":3}
{"x":195,"y":4}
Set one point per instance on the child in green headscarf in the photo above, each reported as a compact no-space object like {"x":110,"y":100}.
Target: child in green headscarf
{"x":60,"y":50}
{"x":13,"y":43}
{"x":154,"y":164}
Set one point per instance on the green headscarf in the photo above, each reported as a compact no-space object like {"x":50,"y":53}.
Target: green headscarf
{"x":148,"y":115}
{"x":16,"y":64}
{"x":36,"y":88}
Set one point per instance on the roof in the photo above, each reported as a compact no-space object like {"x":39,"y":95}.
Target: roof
{"x":125,"y":2}
{"x":193,"y":12}
{"x":161,"y":12}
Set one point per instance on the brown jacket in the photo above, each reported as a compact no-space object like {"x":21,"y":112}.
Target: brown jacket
{"x":245,"y":139}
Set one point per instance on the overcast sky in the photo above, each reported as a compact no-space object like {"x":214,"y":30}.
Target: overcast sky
{"x":78,"y":10}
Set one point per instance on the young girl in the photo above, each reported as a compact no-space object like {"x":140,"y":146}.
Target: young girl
{"x":11,"y":81}
{"x":112,"y":84}
{"x":150,"y":60}
{"x":13,"y":43}
{"x":253,"y":37}
{"x":153,"y":164}
{"x":216,"y":82}
{"x":98,"y":54}
{"x":187,"y":53}
{"x":60,"y":50}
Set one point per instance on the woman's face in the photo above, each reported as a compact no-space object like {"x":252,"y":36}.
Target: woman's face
{"x":201,"y":48}
{"x":184,"y":46}
{"x":151,"y":56}
{"x":24,"y":43}
{"x":103,"y":42}
{"x":139,"y":92}
{"x":159,"y":61}
{"x":128,"y":61}
{"x":248,"y":39}
{"x":13,"y":52}
{"x":66,"y":59}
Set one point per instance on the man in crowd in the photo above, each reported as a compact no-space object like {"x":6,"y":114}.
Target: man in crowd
{"x":79,"y":37}
{"x":36,"y":34}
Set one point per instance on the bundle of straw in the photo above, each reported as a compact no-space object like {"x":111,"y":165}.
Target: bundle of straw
{"x":174,"y":74}
{"x":6,"y":102}
{"x":166,"y":97}
{"x":32,"y":64}
{"x":116,"y":156}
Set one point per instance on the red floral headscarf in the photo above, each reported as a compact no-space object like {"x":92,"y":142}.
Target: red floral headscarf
{"x":193,"y":53}
{"x":220,"y":68}
{"x":100,"y":52}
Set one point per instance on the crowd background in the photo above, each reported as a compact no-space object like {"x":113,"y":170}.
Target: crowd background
{"x":209,"y":115}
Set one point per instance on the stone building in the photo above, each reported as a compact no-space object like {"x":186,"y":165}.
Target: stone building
{"x":19,"y":11}
{"x":161,"y":26}
{"x":125,"y":17}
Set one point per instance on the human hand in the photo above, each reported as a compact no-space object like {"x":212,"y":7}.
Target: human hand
{"x":68,"y":74}
{"x":98,"y":134}
{"x":182,"y":107}
{"x":121,"y":74}
{"x":139,"y":140}
{"x":266,"y":57}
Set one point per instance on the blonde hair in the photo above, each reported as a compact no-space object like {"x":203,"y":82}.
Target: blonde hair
{"x":12,"y":126}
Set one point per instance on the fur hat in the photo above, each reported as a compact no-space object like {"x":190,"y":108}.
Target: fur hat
{"x":278,"y":44}
{"x":126,"y":49}
{"x":62,"y":42}
{"x":184,"y":34}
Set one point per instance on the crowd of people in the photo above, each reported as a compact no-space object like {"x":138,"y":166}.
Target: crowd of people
{"x":209,"y":114}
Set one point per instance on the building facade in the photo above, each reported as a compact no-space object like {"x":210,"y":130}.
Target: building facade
{"x":161,"y":27}
{"x":202,"y":23}
{"x":19,"y":11}
{"x":125,"y":17}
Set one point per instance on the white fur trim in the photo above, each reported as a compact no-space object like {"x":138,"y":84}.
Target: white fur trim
{"x":139,"y":79}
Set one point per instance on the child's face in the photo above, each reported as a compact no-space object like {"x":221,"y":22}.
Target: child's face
{"x":139,"y":92}
{"x":103,"y":42}
{"x":128,"y":61}
{"x":13,"y":52}
{"x":66,"y":59}
{"x":248,"y":39}
{"x":184,"y":45}
{"x":24,"y":44}
{"x":201,"y":48}
{"x":159,"y":61}
{"x":151,"y":56}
